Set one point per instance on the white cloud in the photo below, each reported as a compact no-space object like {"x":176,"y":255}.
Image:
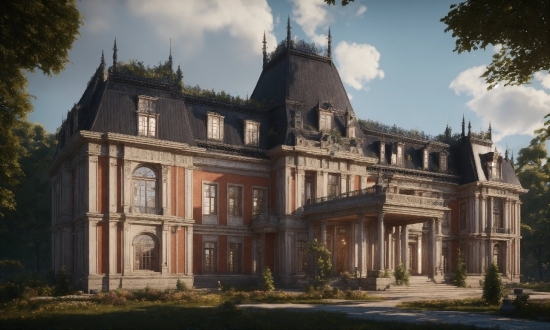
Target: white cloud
{"x":357,"y":63}
{"x":497,"y":48}
{"x":350,"y":97}
{"x":544,"y":79}
{"x":362,"y":9}
{"x":311,"y":15}
{"x":511,"y":110}
{"x":98,"y":15}
{"x":190,"y":20}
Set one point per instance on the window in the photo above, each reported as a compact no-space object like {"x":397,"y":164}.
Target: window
{"x":462,"y":215}
{"x":147,"y":125}
{"x":145,"y":181}
{"x":259,"y":201}
{"x":210,"y":201}
{"x":308,"y":189}
{"x":333,"y":185}
{"x":215,"y":126}
{"x":235,"y":258}
{"x":147,"y":116}
{"x":325,"y":121}
{"x":145,"y":253}
{"x":210,"y":257}
{"x":251,"y":133}
{"x":497,"y":209}
{"x":302,"y":257}
{"x":234,"y":201}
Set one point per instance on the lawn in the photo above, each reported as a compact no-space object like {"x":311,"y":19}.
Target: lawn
{"x":172,"y":315}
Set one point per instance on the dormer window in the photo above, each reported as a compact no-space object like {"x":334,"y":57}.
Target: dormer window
{"x":251,"y":133}
{"x":147,"y":116}
{"x":325,"y":120}
{"x":443,"y":161}
{"x":215,"y":126}
{"x":397,"y":154}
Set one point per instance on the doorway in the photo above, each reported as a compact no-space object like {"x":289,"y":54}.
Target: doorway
{"x":342,"y":250}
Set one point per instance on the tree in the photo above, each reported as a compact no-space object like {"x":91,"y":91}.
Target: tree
{"x":493,"y":289}
{"x":323,"y":265}
{"x":459,"y":276}
{"x":520,"y":27}
{"x":24,"y":232}
{"x":34,"y":34}
{"x":533,"y":171}
{"x":267,"y":280}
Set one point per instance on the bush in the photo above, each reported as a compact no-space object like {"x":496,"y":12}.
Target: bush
{"x":267,"y":280}
{"x":459,"y":276}
{"x":401,"y":275}
{"x":62,"y":286}
{"x":181,"y":286}
{"x":346,"y":277}
{"x":493,"y":289}
{"x":323,"y":265}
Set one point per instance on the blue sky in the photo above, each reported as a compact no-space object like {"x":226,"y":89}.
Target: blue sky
{"x":394,"y":58}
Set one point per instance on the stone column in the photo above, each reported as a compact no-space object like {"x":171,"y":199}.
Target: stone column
{"x":127,"y":186}
{"x":505,"y":214}
{"x":92,"y":247}
{"x":189,"y":251}
{"x":438,"y":249}
{"x":405,"y":246}
{"x":490,"y":217}
{"x":189,"y":196}
{"x":419,"y":253}
{"x":165,"y":248}
{"x":360,"y":253}
{"x":166,"y":189}
{"x":324,"y":232}
{"x":432,"y":261}
{"x":483,"y":214}
{"x":92,"y":184}
{"x":380,"y":243}
{"x":113,"y":256}
{"x":476,"y":219}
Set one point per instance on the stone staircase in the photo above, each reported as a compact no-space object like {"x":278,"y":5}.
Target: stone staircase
{"x":422,"y":285}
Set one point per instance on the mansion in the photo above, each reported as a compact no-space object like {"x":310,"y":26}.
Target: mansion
{"x":152,"y":183}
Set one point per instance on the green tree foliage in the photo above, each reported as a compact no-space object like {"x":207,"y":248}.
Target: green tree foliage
{"x":24,"y":232}
{"x":493,"y":289}
{"x":533,"y":171}
{"x":402,"y":275}
{"x":267,"y":280}
{"x":323,"y":265}
{"x":34,"y":34}
{"x":522,"y":27}
{"x":459,"y":275}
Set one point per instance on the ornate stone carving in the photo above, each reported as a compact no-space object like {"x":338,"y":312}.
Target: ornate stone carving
{"x":94,"y":149}
{"x":290,"y":160}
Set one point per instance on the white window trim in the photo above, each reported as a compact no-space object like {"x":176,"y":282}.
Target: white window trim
{"x":210,"y":219}
{"x":235,"y":220}
{"x":209,"y":134}
{"x":148,"y":116}
{"x":266,"y":202}
{"x":247,"y":141}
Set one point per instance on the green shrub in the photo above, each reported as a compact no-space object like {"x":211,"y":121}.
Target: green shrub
{"x":520,"y":301}
{"x":181,"y":286}
{"x":346,"y":277}
{"x":62,"y":286}
{"x":323,"y":265}
{"x":267,"y":280}
{"x":493,"y":289}
{"x":459,"y":276}
{"x":401,"y":275}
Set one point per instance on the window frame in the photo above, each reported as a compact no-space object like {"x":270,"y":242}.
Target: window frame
{"x":212,"y":267}
{"x":211,"y":118}
{"x":251,"y":133}
{"x":325,"y":120}
{"x":146,"y":111}
{"x":154,"y":262}
{"x":336,"y":185}
{"x":236,"y":218}
{"x":137,"y":207}
{"x":265,"y":201}
{"x":239,"y":256}
{"x":210,"y":218}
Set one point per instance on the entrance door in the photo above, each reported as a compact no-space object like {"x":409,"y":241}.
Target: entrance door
{"x":342,"y":250}
{"x":413,"y":264}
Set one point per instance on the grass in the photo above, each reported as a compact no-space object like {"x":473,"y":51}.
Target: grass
{"x":536,"y":286}
{"x":167,"y":315}
{"x":462,"y":305}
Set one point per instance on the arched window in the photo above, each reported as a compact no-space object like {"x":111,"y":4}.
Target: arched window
{"x":145,"y":184}
{"x":145,"y":251}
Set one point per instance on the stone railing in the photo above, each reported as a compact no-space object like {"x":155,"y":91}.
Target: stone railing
{"x":497,"y":230}
{"x":360,"y":192}
{"x":416,"y":200}
{"x":266,"y":217}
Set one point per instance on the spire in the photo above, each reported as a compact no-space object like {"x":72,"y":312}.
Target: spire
{"x":102,"y":63}
{"x":170,"y":56}
{"x":448,"y":132}
{"x":512,"y":159}
{"x":264,"y":49}
{"x":463,"y":126}
{"x":469,"y":127}
{"x":490,"y":132}
{"x":179,"y":76}
{"x":115,"y":50}
{"x":288,"y":37}
{"x":329,"y":49}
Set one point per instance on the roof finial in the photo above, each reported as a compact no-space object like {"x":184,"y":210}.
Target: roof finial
{"x":288,"y":37}
{"x":463,"y":126}
{"x":448,"y":132}
{"x":490,"y":132}
{"x":506,"y":152}
{"x":469,"y":127}
{"x":170,"y":56}
{"x":179,"y":76}
{"x":264,"y":49}
{"x":329,"y":49}
{"x":115,"y":50}
{"x":102,"y":63}
{"x":512,"y":159}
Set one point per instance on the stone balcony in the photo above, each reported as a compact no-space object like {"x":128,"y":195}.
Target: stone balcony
{"x":265,"y":221}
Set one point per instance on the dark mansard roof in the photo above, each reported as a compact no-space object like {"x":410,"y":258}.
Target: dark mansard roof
{"x":293,"y":83}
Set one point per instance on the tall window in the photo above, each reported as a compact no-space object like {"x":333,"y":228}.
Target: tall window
{"x":147,"y":125}
{"x":145,"y":182}
{"x":497,"y":211}
{"x":234,"y":201}
{"x":259,"y":201}
{"x":210,"y":201}
{"x":145,"y":253}
{"x":252,"y":133}
{"x":302,"y":257}
{"x":210,"y":257}
{"x":214,"y":126}
{"x":235,"y":263}
{"x":333,"y":185}
{"x":325,"y":121}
